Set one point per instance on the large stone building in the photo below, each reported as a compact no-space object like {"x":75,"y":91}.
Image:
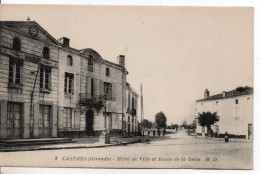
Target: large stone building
{"x":235,"y":109}
{"x":48,"y":89}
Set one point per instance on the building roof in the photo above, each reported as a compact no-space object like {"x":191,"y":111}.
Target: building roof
{"x":239,"y":91}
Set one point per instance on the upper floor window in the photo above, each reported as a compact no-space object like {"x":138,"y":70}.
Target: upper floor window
{"x":69,"y":60}
{"x":90,"y":63}
{"x":15,"y":70}
{"x":107,"y":72}
{"x":17,"y":44}
{"x":108,"y":91}
{"x":68,"y":83}
{"x":236,"y":101}
{"x":45,"y":77}
{"x":46,"y":53}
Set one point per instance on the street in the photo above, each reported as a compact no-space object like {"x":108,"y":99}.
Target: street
{"x":171,"y":151}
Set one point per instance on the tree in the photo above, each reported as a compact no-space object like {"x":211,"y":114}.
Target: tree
{"x":147,"y":124}
{"x":160,"y":120}
{"x":193,"y":125}
{"x":206,"y":119}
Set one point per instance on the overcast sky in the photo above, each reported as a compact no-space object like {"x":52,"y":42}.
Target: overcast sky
{"x":175,"y":52}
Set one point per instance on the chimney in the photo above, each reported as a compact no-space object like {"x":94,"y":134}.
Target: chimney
{"x":64,"y":41}
{"x":224,"y":94}
{"x":206,"y":94}
{"x":121,"y":60}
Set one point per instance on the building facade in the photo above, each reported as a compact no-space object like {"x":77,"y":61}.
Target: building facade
{"x":131,"y":119}
{"x":48,"y":89}
{"x":235,"y":109}
{"x":28,"y":110}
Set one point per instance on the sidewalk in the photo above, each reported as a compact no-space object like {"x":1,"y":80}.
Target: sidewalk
{"x":222,"y":139}
{"x":91,"y":142}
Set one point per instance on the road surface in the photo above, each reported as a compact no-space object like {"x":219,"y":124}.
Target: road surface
{"x":171,"y":151}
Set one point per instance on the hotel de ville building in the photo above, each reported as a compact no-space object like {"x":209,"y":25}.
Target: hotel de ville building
{"x":48,"y":89}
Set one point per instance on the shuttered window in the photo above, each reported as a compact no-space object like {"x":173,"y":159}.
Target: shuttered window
{"x":15,"y":70}
{"x":67,"y":118}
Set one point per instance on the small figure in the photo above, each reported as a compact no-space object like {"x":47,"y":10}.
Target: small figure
{"x":159,"y":133}
{"x":164,"y":131}
{"x":148,"y":132}
{"x":153,"y":133}
{"x":226,"y":137}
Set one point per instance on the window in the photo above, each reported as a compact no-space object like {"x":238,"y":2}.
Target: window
{"x":68,"y":84}
{"x":108,"y":91}
{"x":16,"y":44}
{"x":107,"y":72}
{"x":67,"y":118}
{"x":45,"y":74}
{"x":236,"y":101}
{"x":69,"y":60}
{"x":14,"y":115}
{"x":44,"y":117}
{"x":90,"y":63}
{"x":15,"y":69}
{"x":128,"y":100}
{"x":46,"y":53}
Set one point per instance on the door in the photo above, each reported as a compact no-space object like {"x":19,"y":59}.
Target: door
{"x":14,"y":120}
{"x":44,"y":121}
{"x":250,"y":131}
{"x":89,"y":122}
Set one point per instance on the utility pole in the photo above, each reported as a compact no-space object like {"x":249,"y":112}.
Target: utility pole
{"x":31,"y":125}
{"x":142,"y":111}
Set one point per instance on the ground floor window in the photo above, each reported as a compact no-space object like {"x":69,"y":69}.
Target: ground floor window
{"x":67,"y":118}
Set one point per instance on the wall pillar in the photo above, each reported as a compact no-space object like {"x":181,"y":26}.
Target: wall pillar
{"x":54,"y":121}
{"x":3,"y":117}
{"x":26,"y":120}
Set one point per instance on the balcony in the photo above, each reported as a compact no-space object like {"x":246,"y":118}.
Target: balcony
{"x":88,"y":99}
{"x":129,"y":111}
{"x":134,"y":112}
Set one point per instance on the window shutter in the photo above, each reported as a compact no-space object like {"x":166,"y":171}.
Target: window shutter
{"x":96,"y":90}
{"x":72,"y":84}
{"x":101,"y":87}
{"x":113,"y":91}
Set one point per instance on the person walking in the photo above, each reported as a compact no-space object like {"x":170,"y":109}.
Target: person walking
{"x":153,"y":133}
{"x":226,"y":137}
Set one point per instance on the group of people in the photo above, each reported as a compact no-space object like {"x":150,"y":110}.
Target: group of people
{"x":158,"y":132}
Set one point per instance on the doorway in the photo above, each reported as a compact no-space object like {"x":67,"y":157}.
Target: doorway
{"x":250,"y":131}
{"x":89,"y":122}
{"x":45,"y":121}
{"x":14,"y":120}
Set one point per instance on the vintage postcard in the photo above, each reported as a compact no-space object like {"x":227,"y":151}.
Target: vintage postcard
{"x":126,"y":86}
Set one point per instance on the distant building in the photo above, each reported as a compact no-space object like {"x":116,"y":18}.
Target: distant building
{"x":235,"y":109}
{"x":76,"y":93}
{"x":131,"y":119}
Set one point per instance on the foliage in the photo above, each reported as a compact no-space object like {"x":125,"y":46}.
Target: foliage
{"x":147,"y":124}
{"x":206,"y":119}
{"x":173,"y":126}
{"x":193,"y":125}
{"x":160,"y":120}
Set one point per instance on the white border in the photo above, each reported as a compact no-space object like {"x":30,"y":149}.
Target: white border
{"x":252,"y":3}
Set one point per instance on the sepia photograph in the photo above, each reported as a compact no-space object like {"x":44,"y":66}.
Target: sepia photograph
{"x":103,"y":86}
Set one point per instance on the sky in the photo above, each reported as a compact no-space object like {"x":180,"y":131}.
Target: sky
{"x":174,"y":52}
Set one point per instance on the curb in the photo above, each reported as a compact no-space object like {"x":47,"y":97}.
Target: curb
{"x":72,"y":147}
{"x":219,"y":139}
